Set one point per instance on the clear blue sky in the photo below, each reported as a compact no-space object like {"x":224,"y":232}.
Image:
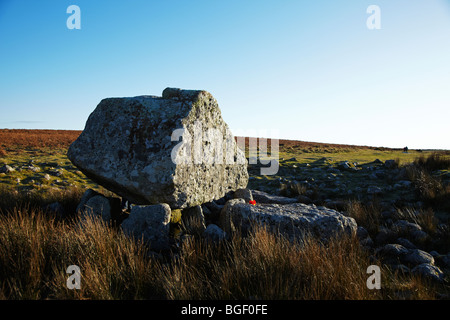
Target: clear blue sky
{"x":305,"y":70}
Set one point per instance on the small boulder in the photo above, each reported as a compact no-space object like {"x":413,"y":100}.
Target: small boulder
{"x":150,"y":224}
{"x":89,"y":193}
{"x":392,"y":253}
{"x":214,"y":233}
{"x":243,"y":193}
{"x":97,"y":206}
{"x":213,"y":210}
{"x":429,"y":271}
{"x":264,"y":197}
{"x":6,"y":169}
{"x":193,"y":220}
{"x":293,"y":220}
{"x":406,"y":243}
{"x":374,"y":190}
{"x":415,"y":257}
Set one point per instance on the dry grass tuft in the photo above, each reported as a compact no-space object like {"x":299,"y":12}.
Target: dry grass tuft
{"x":35,"y":251}
{"x":366,"y":215}
{"x":434,"y":161}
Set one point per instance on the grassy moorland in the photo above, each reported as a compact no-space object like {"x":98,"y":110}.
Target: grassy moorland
{"x":37,"y":245}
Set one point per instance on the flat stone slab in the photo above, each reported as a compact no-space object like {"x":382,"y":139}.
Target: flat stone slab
{"x":294,"y":220}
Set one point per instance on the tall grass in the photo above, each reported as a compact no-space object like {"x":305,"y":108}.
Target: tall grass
{"x":429,"y":187}
{"x":434,"y":161}
{"x":35,"y":252}
{"x":367,"y":215}
{"x":36,"y":249}
{"x":268,"y":266}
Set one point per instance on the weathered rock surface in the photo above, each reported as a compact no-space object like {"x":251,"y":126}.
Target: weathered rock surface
{"x":99,"y":206}
{"x":264,"y":197}
{"x":245,"y":194}
{"x":150,"y":224}
{"x":6,"y":169}
{"x":429,"y":271}
{"x":293,"y":220}
{"x":214,"y":233}
{"x":194,"y":220}
{"x":174,"y":149}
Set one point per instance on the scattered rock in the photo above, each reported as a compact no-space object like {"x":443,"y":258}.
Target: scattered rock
{"x":419,"y":236}
{"x":89,"y":193}
{"x":304,"y":199}
{"x":404,"y":183}
{"x":384,"y":235}
{"x":361,"y":233}
{"x":410,"y":230}
{"x":174,"y":149}
{"x":405,"y":227}
{"x":245,"y":194}
{"x":364,"y":238}
{"x":446,"y":260}
{"x":150,"y":224}
{"x":34,"y":169}
{"x":374,"y":190}
{"x":392,"y":253}
{"x":214,"y":210}
{"x":264,"y":197}
{"x":348,"y":166}
{"x":214,"y":233}
{"x":56,"y":172}
{"x":415,"y":257}
{"x":293,"y":220}
{"x":406,"y":243}
{"x":429,"y":271}
{"x":97,"y":206}
{"x":193,"y":220}
{"x":6,"y":169}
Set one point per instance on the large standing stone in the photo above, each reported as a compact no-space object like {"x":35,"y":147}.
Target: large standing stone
{"x":174,"y":149}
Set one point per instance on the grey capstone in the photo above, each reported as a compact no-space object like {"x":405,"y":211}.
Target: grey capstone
{"x":174,"y":149}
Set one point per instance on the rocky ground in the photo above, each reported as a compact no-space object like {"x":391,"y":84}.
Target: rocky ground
{"x":397,"y":206}
{"x":406,"y":230}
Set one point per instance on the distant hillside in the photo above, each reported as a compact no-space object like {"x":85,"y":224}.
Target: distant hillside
{"x":27,"y":138}
{"x":32,"y":138}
